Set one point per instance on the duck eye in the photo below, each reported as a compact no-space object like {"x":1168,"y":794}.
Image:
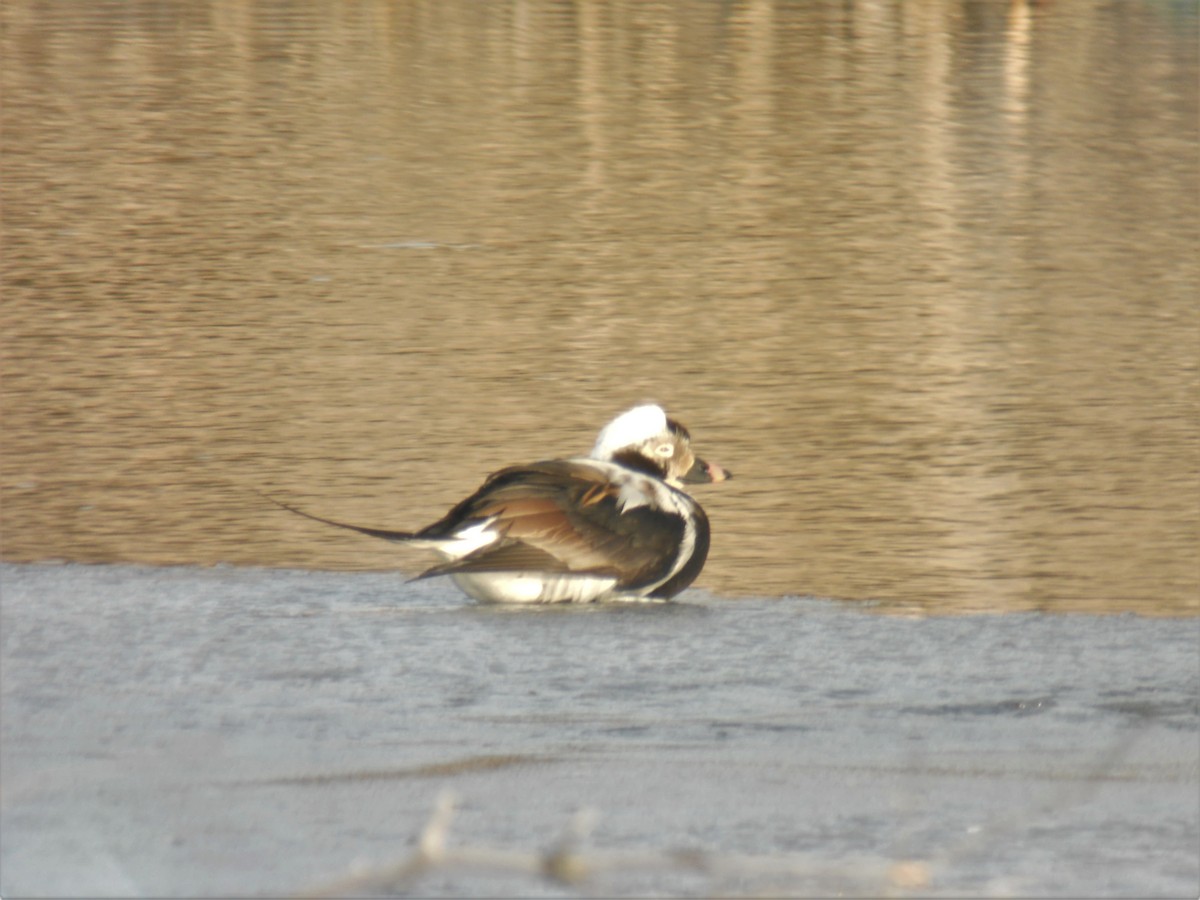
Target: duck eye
{"x":665,"y":450}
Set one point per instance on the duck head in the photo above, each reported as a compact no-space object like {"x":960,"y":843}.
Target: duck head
{"x":645,"y":439}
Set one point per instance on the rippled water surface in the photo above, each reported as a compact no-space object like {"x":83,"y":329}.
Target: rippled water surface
{"x":923,"y":274}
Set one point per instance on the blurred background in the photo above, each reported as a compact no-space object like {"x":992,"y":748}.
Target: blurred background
{"x":922,"y":273}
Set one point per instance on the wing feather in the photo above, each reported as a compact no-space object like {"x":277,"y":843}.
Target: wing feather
{"x":562,"y":516}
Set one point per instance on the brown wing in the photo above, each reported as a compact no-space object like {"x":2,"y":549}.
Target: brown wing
{"x":562,"y":516}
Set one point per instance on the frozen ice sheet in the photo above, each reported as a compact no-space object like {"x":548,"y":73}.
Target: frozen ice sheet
{"x":185,"y":731}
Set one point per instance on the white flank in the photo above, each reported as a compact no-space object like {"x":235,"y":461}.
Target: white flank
{"x":533,"y":587}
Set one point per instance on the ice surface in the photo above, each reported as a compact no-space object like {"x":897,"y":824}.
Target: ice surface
{"x":187,"y":731}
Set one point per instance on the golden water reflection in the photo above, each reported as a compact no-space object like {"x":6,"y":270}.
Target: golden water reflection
{"x":922,"y":274}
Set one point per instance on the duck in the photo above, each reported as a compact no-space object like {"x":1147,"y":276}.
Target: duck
{"x":615,"y":525}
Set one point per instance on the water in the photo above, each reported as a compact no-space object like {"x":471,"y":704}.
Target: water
{"x":182,"y":731}
{"x":923,"y":274}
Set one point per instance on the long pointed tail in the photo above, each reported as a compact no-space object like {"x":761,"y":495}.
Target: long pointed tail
{"x":373,"y":532}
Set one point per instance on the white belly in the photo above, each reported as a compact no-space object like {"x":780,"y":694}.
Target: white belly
{"x":534,"y":587}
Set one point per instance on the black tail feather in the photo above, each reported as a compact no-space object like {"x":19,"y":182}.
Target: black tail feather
{"x":383,"y":533}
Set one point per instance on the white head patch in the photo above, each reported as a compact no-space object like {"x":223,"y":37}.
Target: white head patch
{"x":628,"y":429}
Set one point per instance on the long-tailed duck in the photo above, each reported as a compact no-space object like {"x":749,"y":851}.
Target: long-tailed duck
{"x":614,"y":525}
